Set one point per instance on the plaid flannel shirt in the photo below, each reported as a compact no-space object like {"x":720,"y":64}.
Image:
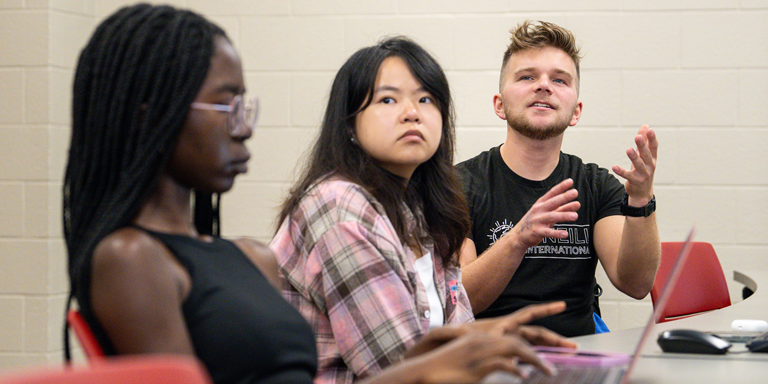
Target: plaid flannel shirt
{"x":345,"y":269}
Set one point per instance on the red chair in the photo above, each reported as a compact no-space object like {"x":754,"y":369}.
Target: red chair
{"x":85,"y":336}
{"x":136,"y":369}
{"x":701,"y":286}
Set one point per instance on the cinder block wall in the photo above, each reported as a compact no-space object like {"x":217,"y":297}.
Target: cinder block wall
{"x":696,"y":71}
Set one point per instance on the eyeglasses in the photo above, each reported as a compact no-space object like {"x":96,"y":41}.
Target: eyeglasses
{"x":240,"y":114}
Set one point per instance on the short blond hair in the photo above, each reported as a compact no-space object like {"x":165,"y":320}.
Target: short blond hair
{"x":541,"y":34}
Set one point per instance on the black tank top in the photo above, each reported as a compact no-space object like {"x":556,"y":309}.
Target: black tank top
{"x":241,"y":328}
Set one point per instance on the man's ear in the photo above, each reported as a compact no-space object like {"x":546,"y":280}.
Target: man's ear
{"x":576,"y":114}
{"x":498,"y":107}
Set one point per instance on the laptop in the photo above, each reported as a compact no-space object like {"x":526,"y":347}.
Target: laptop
{"x":582,"y":366}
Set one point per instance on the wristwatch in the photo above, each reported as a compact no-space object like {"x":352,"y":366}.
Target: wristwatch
{"x":645,"y":211}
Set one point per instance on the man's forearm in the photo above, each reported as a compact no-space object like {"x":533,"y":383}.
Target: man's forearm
{"x":486,"y":277}
{"x":639,"y":255}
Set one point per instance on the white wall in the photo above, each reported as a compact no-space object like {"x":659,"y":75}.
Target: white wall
{"x":696,"y":71}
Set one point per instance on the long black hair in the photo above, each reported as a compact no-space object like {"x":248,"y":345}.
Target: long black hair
{"x":433,"y":192}
{"x":133,"y":86}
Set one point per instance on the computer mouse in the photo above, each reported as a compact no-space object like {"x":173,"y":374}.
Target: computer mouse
{"x":691,"y":341}
{"x":758,"y":343}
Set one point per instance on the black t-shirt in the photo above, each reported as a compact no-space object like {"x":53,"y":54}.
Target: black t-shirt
{"x":556,"y":269}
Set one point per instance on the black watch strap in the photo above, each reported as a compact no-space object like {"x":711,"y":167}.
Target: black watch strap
{"x":644,"y":211}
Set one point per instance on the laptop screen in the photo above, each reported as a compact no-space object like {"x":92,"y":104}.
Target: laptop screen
{"x":666,"y":292}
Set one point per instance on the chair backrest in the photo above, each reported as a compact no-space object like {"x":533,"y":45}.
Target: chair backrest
{"x":701,"y":286}
{"x":136,"y":369}
{"x":84,"y":334}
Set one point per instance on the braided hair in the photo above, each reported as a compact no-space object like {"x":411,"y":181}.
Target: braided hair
{"x":133,"y":86}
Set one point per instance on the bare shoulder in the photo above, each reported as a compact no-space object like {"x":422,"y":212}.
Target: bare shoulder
{"x":135,"y":280}
{"x":129,"y":262}
{"x":129,"y":251}
{"x":262,"y":256}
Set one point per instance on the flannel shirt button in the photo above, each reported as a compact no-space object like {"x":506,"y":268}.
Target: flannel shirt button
{"x":427,"y":314}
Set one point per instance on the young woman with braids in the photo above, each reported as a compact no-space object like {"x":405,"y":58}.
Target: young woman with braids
{"x":370,"y":233}
{"x":159,"y":112}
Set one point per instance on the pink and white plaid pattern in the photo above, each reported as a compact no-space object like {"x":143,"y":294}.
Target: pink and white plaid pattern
{"x":348,"y":273}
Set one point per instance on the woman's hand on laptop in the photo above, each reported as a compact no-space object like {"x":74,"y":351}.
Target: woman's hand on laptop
{"x":515,"y":323}
{"x":459,"y":354}
{"x":512,"y":324}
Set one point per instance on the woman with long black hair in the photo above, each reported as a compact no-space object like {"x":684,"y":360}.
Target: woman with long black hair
{"x":370,"y":233}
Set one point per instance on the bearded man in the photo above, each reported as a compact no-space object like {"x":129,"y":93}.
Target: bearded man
{"x":542,"y":219}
